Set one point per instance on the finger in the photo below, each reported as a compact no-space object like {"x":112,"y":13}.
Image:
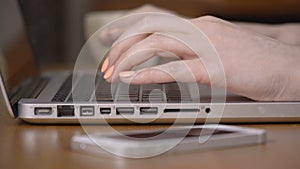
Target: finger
{"x":148,"y":24}
{"x":141,"y":42}
{"x":180,"y":29}
{"x":112,"y":73}
{"x":120,"y":48}
{"x":154,"y":45}
{"x":179,"y":71}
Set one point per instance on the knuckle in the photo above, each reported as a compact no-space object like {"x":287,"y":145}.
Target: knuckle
{"x":209,"y":18}
{"x":147,"y":7}
{"x":211,"y":23}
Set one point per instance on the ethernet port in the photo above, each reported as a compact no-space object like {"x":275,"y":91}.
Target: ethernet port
{"x":65,"y":111}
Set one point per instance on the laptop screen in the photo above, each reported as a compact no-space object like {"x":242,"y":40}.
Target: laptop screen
{"x":16,"y":59}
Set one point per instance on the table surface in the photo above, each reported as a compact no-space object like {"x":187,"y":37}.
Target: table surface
{"x":25,"y":145}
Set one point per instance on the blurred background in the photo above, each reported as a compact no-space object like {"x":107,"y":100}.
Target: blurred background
{"x":58,"y":28}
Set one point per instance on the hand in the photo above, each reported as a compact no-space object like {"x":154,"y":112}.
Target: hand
{"x":255,"y":66}
{"x":286,"y":33}
{"x":110,"y":34}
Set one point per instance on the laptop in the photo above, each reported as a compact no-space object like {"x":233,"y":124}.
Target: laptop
{"x":48,"y":97}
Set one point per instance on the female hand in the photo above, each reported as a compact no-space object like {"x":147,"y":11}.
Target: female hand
{"x":255,"y":66}
{"x":287,"y":33}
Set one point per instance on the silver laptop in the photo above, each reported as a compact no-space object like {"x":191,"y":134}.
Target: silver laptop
{"x":48,"y":97}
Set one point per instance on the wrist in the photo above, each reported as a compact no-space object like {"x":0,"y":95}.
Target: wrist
{"x":292,"y":72}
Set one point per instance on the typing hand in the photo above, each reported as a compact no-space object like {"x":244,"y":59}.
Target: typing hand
{"x":255,"y":66}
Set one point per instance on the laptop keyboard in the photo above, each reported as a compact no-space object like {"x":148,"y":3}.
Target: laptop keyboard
{"x":121,"y":92}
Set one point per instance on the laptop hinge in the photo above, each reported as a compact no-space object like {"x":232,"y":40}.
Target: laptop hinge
{"x":30,"y":88}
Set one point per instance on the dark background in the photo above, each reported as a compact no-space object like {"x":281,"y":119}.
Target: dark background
{"x":56,"y":26}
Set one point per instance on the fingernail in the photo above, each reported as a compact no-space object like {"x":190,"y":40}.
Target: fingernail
{"x":109,"y":72}
{"x":105,"y":65}
{"x":126,"y":74}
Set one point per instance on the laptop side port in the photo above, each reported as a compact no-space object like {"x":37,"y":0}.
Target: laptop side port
{"x":42,"y":111}
{"x":181,"y":110}
{"x":124,"y":110}
{"x":65,"y":111}
{"x":207,"y":110}
{"x":105,"y":110}
{"x":148,"y":110}
{"x":87,"y":111}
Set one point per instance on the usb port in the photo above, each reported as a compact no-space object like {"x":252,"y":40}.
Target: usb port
{"x":105,"y":110}
{"x":125,"y":110}
{"x":87,"y":111}
{"x":148,"y":110}
{"x":65,"y":111}
{"x":42,"y":111}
